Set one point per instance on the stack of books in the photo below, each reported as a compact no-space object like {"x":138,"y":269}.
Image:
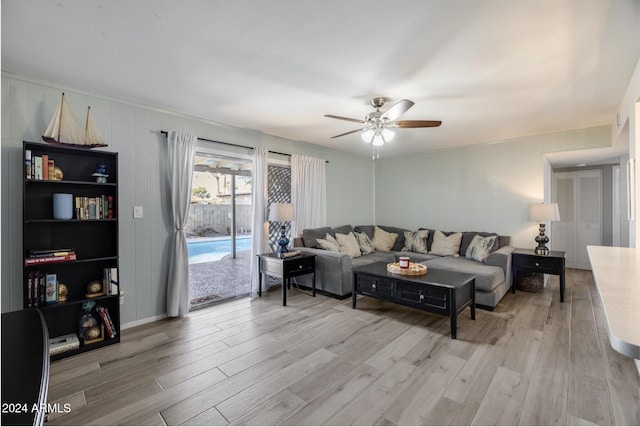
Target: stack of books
{"x":106,"y":320}
{"x":42,"y":288}
{"x":39,"y":167}
{"x":94,"y":207}
{"x":46,"y":256}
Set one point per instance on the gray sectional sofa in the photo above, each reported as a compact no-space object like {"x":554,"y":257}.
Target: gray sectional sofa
{"x":334,"y":275}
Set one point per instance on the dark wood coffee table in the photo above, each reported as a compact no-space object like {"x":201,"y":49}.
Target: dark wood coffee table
{"x":439,"y":291}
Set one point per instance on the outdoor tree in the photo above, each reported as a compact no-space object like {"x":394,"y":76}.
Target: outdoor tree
{"x":200,"y":192}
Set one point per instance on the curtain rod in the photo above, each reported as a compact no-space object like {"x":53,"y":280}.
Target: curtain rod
{"x":165,"y":133}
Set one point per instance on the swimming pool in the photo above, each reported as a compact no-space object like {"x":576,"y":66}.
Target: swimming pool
{"x":207,"y":250}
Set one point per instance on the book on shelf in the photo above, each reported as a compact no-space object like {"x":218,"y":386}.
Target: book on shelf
{"x":110,"y":207}
{"x":37,"y":253}
{"x":106,"y":320}
{"x":110,"y":281}
{"x":63,"y":343}
{"x":45,"y":167}
{"x":49,"y":259}
{"x":27,"y":163}
{"x":38,"y":167}
{"x":51,"y":289}
{"x":31,"y":301}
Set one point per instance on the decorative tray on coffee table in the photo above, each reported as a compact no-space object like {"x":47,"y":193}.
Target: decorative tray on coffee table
{"x":413,"y":270}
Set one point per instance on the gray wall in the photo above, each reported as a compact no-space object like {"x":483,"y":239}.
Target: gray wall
{"x":484,"y":187}
{"x":134,"y":132}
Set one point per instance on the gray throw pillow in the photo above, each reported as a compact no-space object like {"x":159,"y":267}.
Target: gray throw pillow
{"x":416,"y":241}
{"x":480,"y":247}
{"x":366,"y":246}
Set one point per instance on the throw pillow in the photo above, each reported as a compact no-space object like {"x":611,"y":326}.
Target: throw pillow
{"x":329,"y":243}
{"x":348,"y":244}
{"x":382,"y":240}
{"x":446,"y":245}
{"x":366,"y":247}
{"x":416,"y":241}
{"x":480,"y":247}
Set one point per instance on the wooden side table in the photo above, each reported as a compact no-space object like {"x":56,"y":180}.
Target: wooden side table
{"x":527,"y":261}
{"x":286,"y":268}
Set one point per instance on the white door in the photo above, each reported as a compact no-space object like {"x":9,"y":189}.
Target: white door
{"x":589,"y":214}
{"x":563,"y":232}
{"x":579,"y":198}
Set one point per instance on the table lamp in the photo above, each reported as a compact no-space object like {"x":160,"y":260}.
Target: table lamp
{"x":542,"y":212}
{"x":281,"y":212}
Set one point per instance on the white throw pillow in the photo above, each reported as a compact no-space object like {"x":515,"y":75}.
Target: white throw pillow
{"x":480,"y":247}
{"x":348,"y":244}
{"x":416,"y":241}
{"x":446,"y":245}
{"x":366,"y":247}
{"x":329,"y":243}
{"x":382,"y":240}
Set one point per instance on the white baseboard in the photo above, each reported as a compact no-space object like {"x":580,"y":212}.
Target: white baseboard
{"x":142,"y":321}
{"x":637,"y":364}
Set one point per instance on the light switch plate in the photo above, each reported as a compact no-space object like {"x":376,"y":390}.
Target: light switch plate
{"x":138,"y":212}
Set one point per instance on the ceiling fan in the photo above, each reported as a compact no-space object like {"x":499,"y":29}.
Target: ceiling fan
{"x":377,"y":124}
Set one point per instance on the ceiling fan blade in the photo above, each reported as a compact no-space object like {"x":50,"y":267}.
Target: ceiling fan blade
{"x":397,"y":109}
{"x":331,"y":116}
{"x":417,"y":123}
{"x":349,"y":133}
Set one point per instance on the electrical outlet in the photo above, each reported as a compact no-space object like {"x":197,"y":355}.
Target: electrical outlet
{"x":138,"y":212}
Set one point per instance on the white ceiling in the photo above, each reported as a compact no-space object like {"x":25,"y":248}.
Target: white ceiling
{"x":489,"y":69}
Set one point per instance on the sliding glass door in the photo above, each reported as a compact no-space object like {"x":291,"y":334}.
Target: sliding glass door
{"x":219,"y":228}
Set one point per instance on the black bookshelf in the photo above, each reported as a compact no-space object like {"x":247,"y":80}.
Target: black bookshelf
{"x":94,"y":241}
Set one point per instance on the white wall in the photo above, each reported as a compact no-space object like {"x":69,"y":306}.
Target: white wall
{"x":624,"y":132}
{"x":475,"y":188}
{"x":134,"y":132}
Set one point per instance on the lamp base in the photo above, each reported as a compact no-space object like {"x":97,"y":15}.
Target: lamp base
{"x":542,"y":241}
{"x":283,"y":241}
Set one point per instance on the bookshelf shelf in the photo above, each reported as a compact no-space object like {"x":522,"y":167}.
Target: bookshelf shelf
{"x":64,"y":182}
{"x":93,"y":237}
{"x":68,"y":221}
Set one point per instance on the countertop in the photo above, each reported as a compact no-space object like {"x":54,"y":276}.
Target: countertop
{"x":617,"y":276}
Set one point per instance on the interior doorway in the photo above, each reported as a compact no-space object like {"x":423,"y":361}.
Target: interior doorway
{"x":579,"y":194}
{"x":219,"y":228}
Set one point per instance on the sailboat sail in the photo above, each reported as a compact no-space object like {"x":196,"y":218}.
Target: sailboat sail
{"x":64,"y":129}
{"x":92,"y":135}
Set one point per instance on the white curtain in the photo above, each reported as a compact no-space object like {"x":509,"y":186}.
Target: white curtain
{"x":259,"y":235}
{"x":181,"y":149}
{"x":308,"y":192}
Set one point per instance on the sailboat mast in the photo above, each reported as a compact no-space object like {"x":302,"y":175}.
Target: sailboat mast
{"x":60,"y":117}
{"x":86,"y":126}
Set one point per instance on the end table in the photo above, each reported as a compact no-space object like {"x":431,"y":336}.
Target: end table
{"x":527,"y":261}
{"x":286,"y":268}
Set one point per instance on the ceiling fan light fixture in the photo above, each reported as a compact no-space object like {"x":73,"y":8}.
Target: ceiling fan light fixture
{"x":388,"y":134}
{"x":367,"y":135}
{"x":378,"y":139}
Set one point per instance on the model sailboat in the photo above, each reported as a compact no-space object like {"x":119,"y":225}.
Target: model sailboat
{"x":64,"y":129}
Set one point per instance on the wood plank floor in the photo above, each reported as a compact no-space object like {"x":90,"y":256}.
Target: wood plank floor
{"x":532,"y":361}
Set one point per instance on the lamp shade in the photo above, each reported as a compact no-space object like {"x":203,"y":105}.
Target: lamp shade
{"x":542,"y":212}
{"x":280,"y":212}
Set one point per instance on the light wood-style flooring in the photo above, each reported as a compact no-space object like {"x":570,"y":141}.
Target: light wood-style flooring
{"x":532,"y":361}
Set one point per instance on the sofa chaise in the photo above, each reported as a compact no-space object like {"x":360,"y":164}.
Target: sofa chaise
{"x":491,"y":265}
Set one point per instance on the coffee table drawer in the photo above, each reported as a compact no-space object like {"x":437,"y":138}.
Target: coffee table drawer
{"x":376,"y":286}
{"x":423,"y":295}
